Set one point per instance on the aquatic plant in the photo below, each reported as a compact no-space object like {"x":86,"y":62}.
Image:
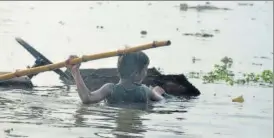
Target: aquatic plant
{"x":267,"y":76}
{"x":222,"y":73}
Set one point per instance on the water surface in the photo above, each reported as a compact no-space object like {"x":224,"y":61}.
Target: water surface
{"x":58,"y":29}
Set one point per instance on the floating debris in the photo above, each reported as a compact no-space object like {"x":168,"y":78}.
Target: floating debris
{"x":242,"y":4}
{"x":143,"y":32}
{"x":185,"y":7}
{"x":257,"y":64}
{"x":99,"y":27}
{"x":99,"y":3}
{"x":239,"y":99}
{"x":194,"y":59}
{"x":199,"y":34}
{"x":263,"y":57}
{"x":18,"y":136}
{"x":217,"y":31}
{"x":227,"y":61}
{"x":61,"y":22}
{"x":195,"y":75}
{"x":208,"y":7}
{"x":8,"y":130}
{"x":253,"y":19}
{"x":245,"y":4}
{"x":180,"y":118}
{"x":149,"y":4}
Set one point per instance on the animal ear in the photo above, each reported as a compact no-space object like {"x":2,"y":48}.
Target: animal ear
{"x":182,"y":77}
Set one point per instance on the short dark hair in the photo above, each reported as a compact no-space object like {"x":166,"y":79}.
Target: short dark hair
{"x":131,"y":62}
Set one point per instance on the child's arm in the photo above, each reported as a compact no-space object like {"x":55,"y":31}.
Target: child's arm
{"x":84,"y":93}
{"x":155,"y":93}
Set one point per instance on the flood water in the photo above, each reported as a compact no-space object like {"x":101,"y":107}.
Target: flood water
{"x":59,"y":29}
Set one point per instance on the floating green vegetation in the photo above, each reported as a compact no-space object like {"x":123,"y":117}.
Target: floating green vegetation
{"x":222,"y":73}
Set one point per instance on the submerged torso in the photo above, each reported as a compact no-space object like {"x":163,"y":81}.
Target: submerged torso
{"x":119,"y":95}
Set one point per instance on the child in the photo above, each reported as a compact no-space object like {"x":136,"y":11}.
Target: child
{"x":132,"y":69}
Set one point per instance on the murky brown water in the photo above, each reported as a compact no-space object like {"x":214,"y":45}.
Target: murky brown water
{"x":58,"y":29}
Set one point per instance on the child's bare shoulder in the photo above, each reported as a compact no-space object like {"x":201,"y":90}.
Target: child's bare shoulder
{"x":107,"y":87}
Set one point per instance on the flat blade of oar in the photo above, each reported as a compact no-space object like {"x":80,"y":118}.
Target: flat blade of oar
{"x":37,"y":55}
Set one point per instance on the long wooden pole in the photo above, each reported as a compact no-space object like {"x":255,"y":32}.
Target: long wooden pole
{"x":84,"y":58}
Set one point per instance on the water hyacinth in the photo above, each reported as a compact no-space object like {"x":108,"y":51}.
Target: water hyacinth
{"x":222,"y":73}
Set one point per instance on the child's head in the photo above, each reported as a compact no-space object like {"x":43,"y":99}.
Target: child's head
{"x":133,"y":66}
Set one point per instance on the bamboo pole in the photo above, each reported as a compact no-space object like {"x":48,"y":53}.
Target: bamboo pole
{"x":84,"y":58}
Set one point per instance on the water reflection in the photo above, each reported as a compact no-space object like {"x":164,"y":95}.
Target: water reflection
{"x":124,"y":121}
{"x":35,"y":112}
{"x":79,"y":116}
{"x":129,"y":123}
